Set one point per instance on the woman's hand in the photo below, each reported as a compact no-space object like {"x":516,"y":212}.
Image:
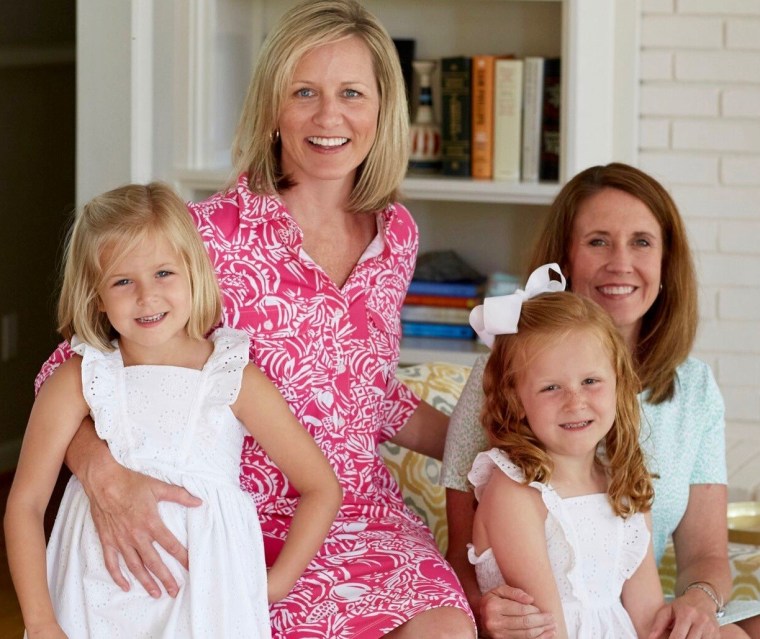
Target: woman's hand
{"x":687,"y":617}
{"x":508,"y":613}
{"x":124,"y":507}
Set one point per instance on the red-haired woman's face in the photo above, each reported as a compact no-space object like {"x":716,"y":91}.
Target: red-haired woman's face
{"x":616,"y":257}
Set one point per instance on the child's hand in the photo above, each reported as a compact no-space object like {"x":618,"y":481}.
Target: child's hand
{"x":277,"y":587}
{"x":49,"y":630}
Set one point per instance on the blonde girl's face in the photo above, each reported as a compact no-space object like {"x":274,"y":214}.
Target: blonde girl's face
{"x":148,"y":300}
{"x":567,"y":390}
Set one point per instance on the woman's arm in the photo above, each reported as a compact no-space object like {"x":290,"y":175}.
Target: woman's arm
{"x":642,"y":592}
{"x":425,"y":432}
{"x":701,"y":545}
{"x":124,"y":507}
{"x":55,"y":416}
{"x":269,"y":420}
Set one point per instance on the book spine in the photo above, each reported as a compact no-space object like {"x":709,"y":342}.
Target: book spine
{"x":482,"y":116}
{"x":443,"y":300}
{"x":456,"y":124}
{"x":426,"y":329}
{"x":533,"y":83}
{"x":550,"y":133}
{"x":437,"y":314}
{"x":453,"y":289}
{"x":507,"y":119}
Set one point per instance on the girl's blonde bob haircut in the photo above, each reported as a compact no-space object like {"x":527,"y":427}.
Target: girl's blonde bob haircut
{"x":669,"y":327}
{"x":109,"y":227}
{"x":545,"y":320}
{"x":256,"y":148}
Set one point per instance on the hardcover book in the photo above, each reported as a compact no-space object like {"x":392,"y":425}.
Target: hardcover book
{"x":533,"y":86}
{"x":550,"y":133}
{"x":427,"y":329}
{"x":456,"y":123}
{"x":482,"y":116}
{"x":436,"y":314}
{"x":452,"y":289}
{"x":443,"y":300}
{"x":507,"y":119}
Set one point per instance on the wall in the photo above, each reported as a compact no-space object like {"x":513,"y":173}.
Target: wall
{"x":37,"y":83}
{"x":700,"y":134}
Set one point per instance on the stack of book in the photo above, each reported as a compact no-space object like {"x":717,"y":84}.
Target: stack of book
{"x":440,"y":309}
{"x":500,"y":117}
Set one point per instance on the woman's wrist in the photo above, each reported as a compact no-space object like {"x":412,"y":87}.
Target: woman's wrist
{"x":710,"y":591}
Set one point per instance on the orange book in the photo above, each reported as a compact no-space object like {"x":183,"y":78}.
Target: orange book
{"x":482,"y":115}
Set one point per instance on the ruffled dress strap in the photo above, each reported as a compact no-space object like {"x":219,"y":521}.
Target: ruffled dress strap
{"x":558,"y":521}
{"x":224,"y":368}
{"x":100,"y":385}
{"x":634,"y":544}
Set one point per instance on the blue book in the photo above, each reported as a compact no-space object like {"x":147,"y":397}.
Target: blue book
{"x":430,"y":329}
{"x":452,"y":289}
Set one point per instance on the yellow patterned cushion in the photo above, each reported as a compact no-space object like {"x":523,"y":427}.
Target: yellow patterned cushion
{"x":440,"y":385}
{"x":745,"y":568}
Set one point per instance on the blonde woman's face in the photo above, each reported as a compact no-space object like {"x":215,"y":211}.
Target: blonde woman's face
{"x":329,"y":117}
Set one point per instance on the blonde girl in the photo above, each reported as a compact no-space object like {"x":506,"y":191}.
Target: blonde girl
{"x":138,"y":297}
{"x":564,"y":495}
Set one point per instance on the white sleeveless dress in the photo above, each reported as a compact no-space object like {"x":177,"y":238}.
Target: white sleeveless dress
{"x":174,"y":424}
{"x":592,"y":552}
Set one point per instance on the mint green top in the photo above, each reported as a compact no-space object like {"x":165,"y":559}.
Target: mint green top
{"x":683,"y":439}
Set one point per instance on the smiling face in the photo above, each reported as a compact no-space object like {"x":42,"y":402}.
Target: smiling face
{"x":329,"y":117}
{"x":616,"y":257}
{"x":147,"y":298}
{"x":568,"y":393}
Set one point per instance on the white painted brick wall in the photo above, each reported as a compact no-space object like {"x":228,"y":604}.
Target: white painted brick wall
{"x":699,"y":133}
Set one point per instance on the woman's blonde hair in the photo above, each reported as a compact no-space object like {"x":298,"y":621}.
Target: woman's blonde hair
{"x":112,"y":225}
{"x":543,"y":321}
{"x":256,"y":148}
{"x":669,"y":327}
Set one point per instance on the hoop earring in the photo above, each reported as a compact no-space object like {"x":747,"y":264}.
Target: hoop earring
{"x":274,"y":136}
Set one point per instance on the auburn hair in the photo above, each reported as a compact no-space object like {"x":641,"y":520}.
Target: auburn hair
{"x":544,"y":320}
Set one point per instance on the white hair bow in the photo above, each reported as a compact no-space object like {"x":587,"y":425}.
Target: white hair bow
{"x":499,"y":315}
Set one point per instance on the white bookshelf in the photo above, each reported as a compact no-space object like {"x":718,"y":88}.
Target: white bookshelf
{"x":188,"y":63}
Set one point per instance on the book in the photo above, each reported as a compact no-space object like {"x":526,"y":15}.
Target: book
{"x":429,"y":329}
{"x":405,"y":48}
{"x":550,"y":123}
{"x":443,"y":300}
{"x":507,"y":119}
{"x":456,"y":120}
{"x":452,"y":289}
{"x":533,"y":84}
{"x":482,"y":116}
{"x":436,"y":314}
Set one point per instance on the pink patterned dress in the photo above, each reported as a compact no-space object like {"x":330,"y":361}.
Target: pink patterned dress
{"x":333,"y":354}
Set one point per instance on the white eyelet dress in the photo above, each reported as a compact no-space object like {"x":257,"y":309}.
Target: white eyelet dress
{"x":592,"y":552}
{"x":174,"y":424}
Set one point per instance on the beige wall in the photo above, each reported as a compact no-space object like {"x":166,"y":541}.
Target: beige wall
{"x":37,"y":114}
